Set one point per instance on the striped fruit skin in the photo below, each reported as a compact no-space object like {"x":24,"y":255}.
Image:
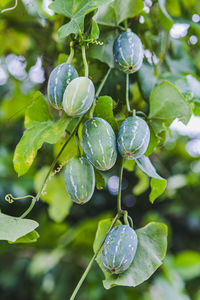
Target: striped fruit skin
{"x":59,"y":78}
{"x":99,"y":143}
{"x":78,"y":96}
{"x":119,"y":249}
{"x":79,"y":179}
{"x":128,"y":52}
{"x":133,"y":138}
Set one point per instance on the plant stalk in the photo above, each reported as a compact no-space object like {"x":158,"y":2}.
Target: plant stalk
{"x":92,"y":261}
{"x":103,"y":82}
{"x":127,"y":93}
{"x":84,"y":60}
{"x":71,"y":55}
{"x":119,"y":208}
{"x":36,"y":198}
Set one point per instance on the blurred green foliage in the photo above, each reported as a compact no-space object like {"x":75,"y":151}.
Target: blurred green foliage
{"x":51,"y":267}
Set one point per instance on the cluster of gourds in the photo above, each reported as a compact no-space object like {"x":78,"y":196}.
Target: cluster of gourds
{"x":75,"y":96}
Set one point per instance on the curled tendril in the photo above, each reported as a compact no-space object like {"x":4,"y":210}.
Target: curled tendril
{"x":56,"y":171}
{"x":10,"y":8}
{"x":94,"y":42}
{"x":10,"y":199}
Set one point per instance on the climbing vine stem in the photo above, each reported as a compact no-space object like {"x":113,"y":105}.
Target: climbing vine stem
{"x":36,"y":198}
{"x":84,"y":54}
{"x":71,"y":55}
{"x":102,"y":83}
{"x":92,"y":261}
{"x":127,"y":93}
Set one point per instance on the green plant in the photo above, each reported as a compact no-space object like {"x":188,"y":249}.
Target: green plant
{"x":100,"y":120}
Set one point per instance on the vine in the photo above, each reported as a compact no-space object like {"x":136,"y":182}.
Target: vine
{"x":10,"y":8}
{"x":103,"y":136}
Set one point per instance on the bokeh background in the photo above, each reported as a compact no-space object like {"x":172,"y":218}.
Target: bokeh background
{"x":50,"y":268}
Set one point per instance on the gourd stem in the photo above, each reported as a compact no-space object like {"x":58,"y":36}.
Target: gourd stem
{"x":125,"y":214}
{"x":125,"y":25}
{"x":92,"y":261}
{"x":10,"y":8}
{"x":119,"y":209}
{"x":29,"y":209}
{"x":102,"y":83}
{"x":127,"y":93}
{"x":36,"y":198}
{"x":84,"y":60}
{"x":71,"y":55}
{"x":130,"y":221}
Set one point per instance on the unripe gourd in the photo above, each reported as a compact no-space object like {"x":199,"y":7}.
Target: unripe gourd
{"x":79,"y":179}
{"x":59,"y":78}
{"x":119,"y":249}
{"x":99,"y":143}
{"x":128,"y":52}
{"x":133,"y":138}
{"x":78,"y":96}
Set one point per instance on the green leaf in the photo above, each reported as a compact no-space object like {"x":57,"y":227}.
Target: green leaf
{"x":55,"y":195}
{"x":165,"y":18}
{"x":44,"y":261}
{"x":30,"y":237}
{"x":69,"y":151}
{"x":187,"y":264}
{"x":75,"y":11}
{"x":152,"y":246}
{"x":38,"y":111}
{"x":167,"y":104}
{"x":14,"y":106}
{"x":129,"y":165}
{"x":154,"y":141}
{"x":33,"y":139}
{"x":142,"y":184}
{"x":118,"y":11}
{"x":146,"y":80}
{"x":13,"y":228}
{"x":99,"y":179}
{"x":158,"y":184}
{"x":94,"y":34}
{"x":157,"y":188}
{"x":146,"y":166}
{"x":104,"y":52}
{"x":104,"y":109}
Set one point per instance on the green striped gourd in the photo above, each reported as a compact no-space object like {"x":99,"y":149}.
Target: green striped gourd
{"x":128,"y":52}
{"x":133,"y":138}
{"x":78,"y":96}
{"x":99,"y":143}
{"x":79,"y":179}
{"x":59,"y":78}
{"x":119,"y":249}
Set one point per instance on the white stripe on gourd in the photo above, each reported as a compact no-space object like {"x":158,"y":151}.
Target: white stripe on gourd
{"x":119,"y":249}
{"x":79,"y":179}
{"x":78,"y":96}
{"x":99,"y":143}
{"x":133,"y":138}
{"x":59,"y":78}
{"x":128,"y":52}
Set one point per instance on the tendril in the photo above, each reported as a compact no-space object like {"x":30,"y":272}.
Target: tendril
{"x":10,"y":8}
{"x":56,"y":171}
{"x":93,"y":41}
{"x":10,"y":199}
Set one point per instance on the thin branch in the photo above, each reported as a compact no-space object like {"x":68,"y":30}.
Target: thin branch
{"x":92,"y":261}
